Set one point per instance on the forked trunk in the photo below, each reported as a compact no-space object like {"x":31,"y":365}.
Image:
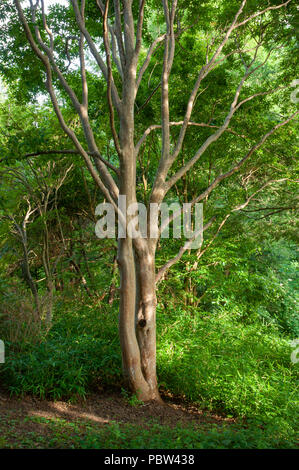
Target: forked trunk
{"x":137,"y":321}
{"x":137,"y":324}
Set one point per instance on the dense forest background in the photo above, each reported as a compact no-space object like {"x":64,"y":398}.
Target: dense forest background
{"x":226,"y":313}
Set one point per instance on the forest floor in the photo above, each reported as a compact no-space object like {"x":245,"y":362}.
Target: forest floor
{"x":100,"y":421}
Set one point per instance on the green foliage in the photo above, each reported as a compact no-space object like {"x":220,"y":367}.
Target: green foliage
{"x":68,"y":362}
{"x":131,"y":398}
{"x":212,"y":360}
{"x":254,"y":282}
{"x":222,"y":364}
{"x":224,"y":326}
{"x":19,"y":324}
{"x":79,"y":434}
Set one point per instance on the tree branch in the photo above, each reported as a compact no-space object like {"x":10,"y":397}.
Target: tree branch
{"x":236,"y":167}
{"x":108,"y":187}
{"x":109,"y":79}
{"x":95,"y":53}
{"x":179,"y":123}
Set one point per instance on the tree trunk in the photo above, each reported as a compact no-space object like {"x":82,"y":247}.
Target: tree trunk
{"x":137,"y":327}
{"x":146,"y":303}
{"x":137,"y":321}
{"x":28,"y":277}
{"x":49,"y":303}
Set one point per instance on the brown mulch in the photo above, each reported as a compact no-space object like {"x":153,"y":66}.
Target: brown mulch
{"x":106,"y":407}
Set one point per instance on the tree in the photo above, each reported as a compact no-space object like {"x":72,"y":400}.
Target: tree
{"x":237,"y":36}
{"x":35,"y":192}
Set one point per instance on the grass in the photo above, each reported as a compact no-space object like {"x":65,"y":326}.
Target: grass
{"x":80,"y":434}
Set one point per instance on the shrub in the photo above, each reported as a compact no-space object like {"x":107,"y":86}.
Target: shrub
{"x":19,"y":322}
{"x":244,"y":370}
{"x":68,"y":362}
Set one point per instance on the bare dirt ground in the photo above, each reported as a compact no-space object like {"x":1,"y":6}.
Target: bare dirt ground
{"x":106,"y":407}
